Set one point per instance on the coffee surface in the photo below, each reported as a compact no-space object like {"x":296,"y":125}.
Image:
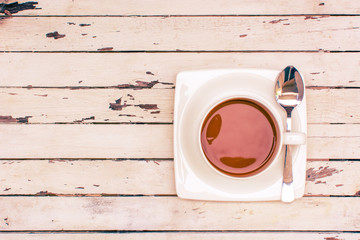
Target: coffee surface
{"x":239,"y":137}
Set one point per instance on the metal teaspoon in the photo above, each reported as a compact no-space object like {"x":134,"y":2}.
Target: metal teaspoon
{"x":289,"y":92}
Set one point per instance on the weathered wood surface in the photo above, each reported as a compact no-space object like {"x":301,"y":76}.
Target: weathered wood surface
{"x":172,"y":213}
{"x":143,"y":141}
{"x":185,"y":236}
{"x":272,"y":33}
{"x":111,"y":70}
{"x":139,"y":103}
{"x":70,"y":62}
{"x":144,"y":177}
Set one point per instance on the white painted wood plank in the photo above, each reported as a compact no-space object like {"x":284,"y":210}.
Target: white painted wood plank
{"x":184,"y":236}
{"x":188,"y":7}
{"x":140,"y":177}
{"x":140,"y":141}
{"x":94,"y":105}
{"x":88,"y":141}
{"x":88,"y":69}
{"x":155,"y":105}
{"x":178,"y":33}
{"x":172,"y":213}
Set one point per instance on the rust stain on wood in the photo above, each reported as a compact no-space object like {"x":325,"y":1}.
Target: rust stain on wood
{"x":318,"y":182}
{"x":155,"y":112}
{"x":357,"y":194}
{"x":15,"y":7}
{"x":243,"y":35}
{"x":278,"y":20}
{"x":79,"y":188}
{"x":312,"y":175}
{"x":55,"y":35}
{"x":339,"y":185}
{"x":332,"y":238}
{"x":106,"y":49}
{"x":321,"y":4}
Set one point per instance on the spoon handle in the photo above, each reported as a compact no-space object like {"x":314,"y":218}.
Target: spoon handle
{"x":288,"y":191}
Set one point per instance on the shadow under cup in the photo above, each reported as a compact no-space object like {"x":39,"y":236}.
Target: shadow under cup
{"x":240,"y":137}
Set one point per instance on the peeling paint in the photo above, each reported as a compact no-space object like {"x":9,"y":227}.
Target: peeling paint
{"x":10,"y":119}
{"x":117,"y":106}
{"x":6,"y":220}
{"x":15,"y":7}
{"x":278,"y":20}
{"x":106,"y":49}
{"x":148,"y":106}
{"x":310,"y":17}
{"x":55,"y":35}
{"x":84,"y":24}
{"x":84,"y":119}
{"x":41,"y":95}
{"x":127,"y":115}
{"x":139,"y":85}
{"x":71,"y":23}
{"x":312,"y":175}
{"x":45,"y":193}
{"x":149,"y":73}
{"x":6,"y":189}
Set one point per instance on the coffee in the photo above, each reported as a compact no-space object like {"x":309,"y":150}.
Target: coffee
{"x":239,"y":137}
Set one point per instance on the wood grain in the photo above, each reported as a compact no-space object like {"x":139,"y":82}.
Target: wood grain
{"x":184,"y":236}
{"x":143,"y":141}
{"x":132,"y":104}
{"x":144,"y":177}
{"x":180,"y":34}
{"x":172,"y":213}
{"x":188,"y":7}
{"x":106,"y":69}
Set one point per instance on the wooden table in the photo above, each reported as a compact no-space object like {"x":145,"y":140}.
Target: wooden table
{"x":86,"y":105}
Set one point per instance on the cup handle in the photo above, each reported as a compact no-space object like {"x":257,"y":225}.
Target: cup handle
{"x":294,"y":138}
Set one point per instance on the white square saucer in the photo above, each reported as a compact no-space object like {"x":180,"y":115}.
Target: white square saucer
{"x":195,"y":179}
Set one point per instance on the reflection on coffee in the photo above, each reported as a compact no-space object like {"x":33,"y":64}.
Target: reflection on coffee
{"x":239,"y":137}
